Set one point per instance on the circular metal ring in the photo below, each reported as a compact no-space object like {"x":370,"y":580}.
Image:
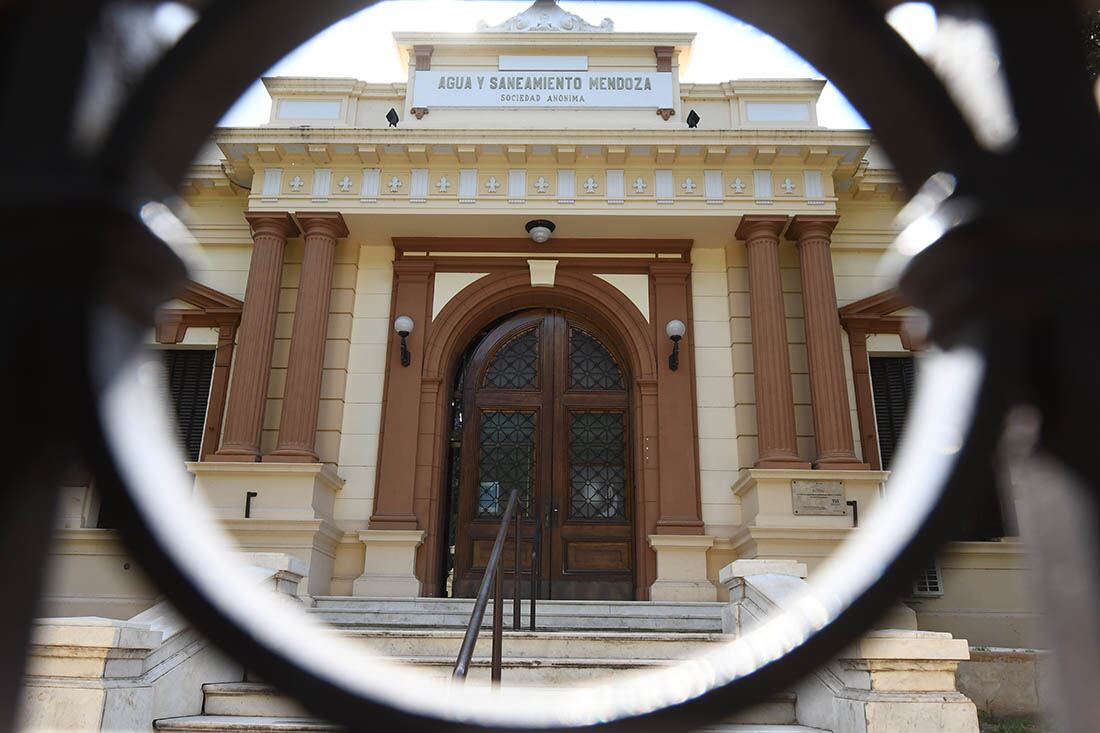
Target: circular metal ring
{"x":180,"y":549}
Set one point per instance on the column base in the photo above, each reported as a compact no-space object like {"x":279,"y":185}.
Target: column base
{"x":291,"y":455}
{"x":682,"y":568}
{"x":234,"y":455}
{"x":389,"y":563}
{"x":841,"y":464}
{"x":794,"y":463}
{"x":768,"y":497}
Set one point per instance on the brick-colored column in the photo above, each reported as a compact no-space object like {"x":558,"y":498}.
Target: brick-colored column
{"x":828,"y":386}
{"x":679,"y":504}
{"x":248,"y":391}
{"x":394,"y":497}
{"x":302,"y":395}
{"x":771,"y":360}
{"x":865,"y":399}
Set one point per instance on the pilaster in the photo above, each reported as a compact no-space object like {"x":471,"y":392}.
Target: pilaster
{"x":394,"y":499}
{"x":679,"y":504}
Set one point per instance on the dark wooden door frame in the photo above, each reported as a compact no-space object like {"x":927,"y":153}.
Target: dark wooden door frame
{"x":590,"y":543}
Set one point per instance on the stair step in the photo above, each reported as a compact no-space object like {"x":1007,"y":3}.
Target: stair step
{"x":249,"y":699}
{"x":255,"y":699}
{"x":264,"y":724}
{"x":553,"y":644}
{"x":704,"y":608}
{"x":242,"y":724}
{"x":454,"y":613}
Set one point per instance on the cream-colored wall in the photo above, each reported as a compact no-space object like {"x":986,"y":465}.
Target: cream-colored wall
{"x":90,"y":573}
{"x":366,"y":367}
{"x":714,"y":391}
{"x":989,"y":595}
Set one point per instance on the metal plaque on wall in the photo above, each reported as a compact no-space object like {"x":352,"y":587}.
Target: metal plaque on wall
{"x":818,"y":498}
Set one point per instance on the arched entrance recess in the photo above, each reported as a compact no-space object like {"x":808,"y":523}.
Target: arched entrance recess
{"x":489,"y":300}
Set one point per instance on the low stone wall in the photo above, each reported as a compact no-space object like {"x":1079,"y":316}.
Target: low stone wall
{"x":1008,"y":682}
{"x":104,"y":674}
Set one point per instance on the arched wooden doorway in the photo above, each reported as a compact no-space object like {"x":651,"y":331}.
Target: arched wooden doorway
{"x":546,"y":410}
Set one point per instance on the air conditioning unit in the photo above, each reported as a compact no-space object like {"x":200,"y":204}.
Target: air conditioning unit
{"x":929,"y":583}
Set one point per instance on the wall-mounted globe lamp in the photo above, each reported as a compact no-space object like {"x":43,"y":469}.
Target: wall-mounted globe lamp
{"x":404,"y":326}
{"x":675,"y":330}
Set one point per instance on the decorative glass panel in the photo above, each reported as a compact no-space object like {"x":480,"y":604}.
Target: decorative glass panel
{"x":516,"y":363}
{"x":597,"y":488}
{"x":591,"y":365}
{"x":507,"y":460}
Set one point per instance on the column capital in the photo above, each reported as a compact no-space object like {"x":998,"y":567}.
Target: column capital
{"x":423,"y":57}
{"x":413,"y":270}
{"x":756,"y":225}
{"x":271,"y":223}
{"x":810,"y":226}
{"x":322,"y":222}
{"x":670,"y":271}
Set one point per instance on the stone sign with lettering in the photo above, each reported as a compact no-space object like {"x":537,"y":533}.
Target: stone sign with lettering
{"x":818,"y":498}
{"x":492,"y":88}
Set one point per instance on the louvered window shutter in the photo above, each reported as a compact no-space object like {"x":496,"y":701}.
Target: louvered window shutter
{"x":189,"y":372}
{"x":892,"y":385}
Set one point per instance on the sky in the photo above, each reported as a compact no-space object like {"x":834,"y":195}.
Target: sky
{"x":361,"y":47}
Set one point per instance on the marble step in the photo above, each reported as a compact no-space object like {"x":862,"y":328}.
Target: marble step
{"x":241,"y":724}
{"x":564,"y":615}
{"x":611,"y":645}
{"x":254,"y":699}
{"x":259,"y":724}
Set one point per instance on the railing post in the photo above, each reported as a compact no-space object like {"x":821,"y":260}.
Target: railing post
{"x":515,"y":572}
{"x":498,"y":624}
{"x":536,"y":567}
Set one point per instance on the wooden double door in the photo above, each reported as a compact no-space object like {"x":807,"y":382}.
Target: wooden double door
{"x":546,"y":410}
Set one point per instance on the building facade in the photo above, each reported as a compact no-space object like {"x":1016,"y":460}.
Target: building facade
{"x":721,"y":214}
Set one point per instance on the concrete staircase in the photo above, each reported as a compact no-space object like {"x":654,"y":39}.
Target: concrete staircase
{"x":575,"y":642}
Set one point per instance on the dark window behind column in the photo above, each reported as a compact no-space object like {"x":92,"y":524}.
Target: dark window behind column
{"x":892,"y":379}
{"x":189,"y":372}
{"x":892,"y":385}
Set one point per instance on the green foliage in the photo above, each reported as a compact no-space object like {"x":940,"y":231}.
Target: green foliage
{"x":1090,"y":36}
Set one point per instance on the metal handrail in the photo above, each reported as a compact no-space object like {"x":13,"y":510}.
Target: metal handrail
{"x":494,"y":575}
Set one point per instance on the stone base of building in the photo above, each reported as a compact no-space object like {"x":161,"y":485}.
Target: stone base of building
{"x":682,"y":568}
{"x":290,"y":512}
{"x":767,"y":496}
{"x":389,"y":563}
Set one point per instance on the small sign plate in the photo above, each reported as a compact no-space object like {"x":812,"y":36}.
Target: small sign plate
{"x":818,"y":498}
